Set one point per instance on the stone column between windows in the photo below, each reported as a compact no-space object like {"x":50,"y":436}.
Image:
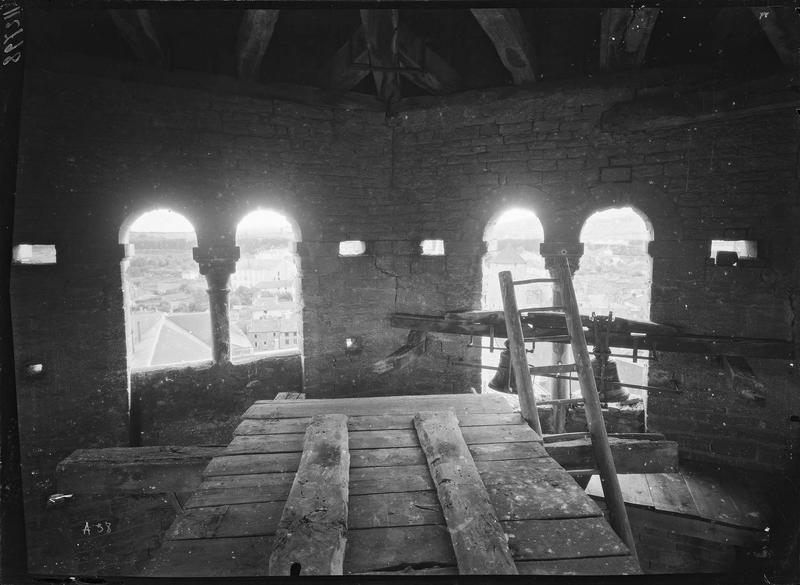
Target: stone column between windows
{"x":551,"y":252}
{"x":217,"y":263}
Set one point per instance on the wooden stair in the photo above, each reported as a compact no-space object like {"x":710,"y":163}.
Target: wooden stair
{"x":416,"y":463}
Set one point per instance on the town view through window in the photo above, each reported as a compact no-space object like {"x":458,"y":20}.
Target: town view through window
{"x":168,"y":319}
{"x":264,"y":292}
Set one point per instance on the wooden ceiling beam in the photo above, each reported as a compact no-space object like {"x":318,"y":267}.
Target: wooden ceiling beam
{"x":136,"y":28}
{"x":625,"y":35}
{"x":255,"y":33}
{"x":426,"y":69}
{"x":781,"y":24}
{"x":505,"y":28}
{"x":341,"y":74}
{"x":379,"y":27}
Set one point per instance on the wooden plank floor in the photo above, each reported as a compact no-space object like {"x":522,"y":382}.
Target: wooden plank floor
{"x":395,"y":522}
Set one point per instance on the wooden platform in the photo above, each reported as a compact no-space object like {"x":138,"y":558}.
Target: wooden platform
{"x":693,"y":521}
{"x":395,"y":521}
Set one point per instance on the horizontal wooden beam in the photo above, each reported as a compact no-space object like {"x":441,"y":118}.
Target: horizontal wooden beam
{"x":505,"y":29}
{"x":255,"y":33}
{"x":136,"y":28}
{"x":630,"y":455}
{"x":671,"y":342}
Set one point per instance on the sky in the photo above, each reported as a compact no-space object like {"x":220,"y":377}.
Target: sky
{"x":261,"y":221}
{"x":609,"y":225}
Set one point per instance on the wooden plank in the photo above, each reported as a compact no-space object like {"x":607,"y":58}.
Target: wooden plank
{"x":235,"y":520}
{"x":698,"y":528}
{"x":670,"y":493}
{"x":635,"y":489}
{"x":379,"y":480}
{"x":383,"y":439}
{"x":623,"y":565}
{"x":710,"y":498}
{"x":382,"y":549}
{"x":211,"y":557}
{"x":479,"y":543}
{"x":507,"y":451}
{"x":255,"y":33}
{"x":630,"y":455}
{"x":394,"y":405}
{"x":221,"y":496}
{"x":394,"y":509}
{"x":369,"y":423}
{"x":562,"y":539}
{"x":290,"y":396}
{"x":311,"y":535}
{"x":538,"y":495}
{"x":257,"y":463}
{"x":505,"y":28}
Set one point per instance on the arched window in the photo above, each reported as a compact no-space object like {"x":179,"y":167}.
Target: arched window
{"x":616,"y":274}
{"x":265,"y":289}
{"x":167,"y":318}
{"x":512,"y":243}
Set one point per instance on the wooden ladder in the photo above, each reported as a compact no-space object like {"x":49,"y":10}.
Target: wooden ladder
{"x":618,"y":516}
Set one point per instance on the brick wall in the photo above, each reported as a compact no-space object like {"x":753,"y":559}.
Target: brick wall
{"x":98,"y":151}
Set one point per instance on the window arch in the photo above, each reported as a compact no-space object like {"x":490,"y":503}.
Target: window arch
{"x":512,"y":243}
{"x":265,"y":304}
{"x":616,"y":273}
{"x":167,"y":319}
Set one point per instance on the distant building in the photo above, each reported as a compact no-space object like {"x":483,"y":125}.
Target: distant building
{"x":272,"y":333}
{"x":160,"y":339}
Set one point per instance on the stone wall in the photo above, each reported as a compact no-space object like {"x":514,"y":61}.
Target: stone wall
{"x":96,"y":152}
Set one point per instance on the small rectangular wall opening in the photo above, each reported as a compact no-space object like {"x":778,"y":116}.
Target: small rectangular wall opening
{"x":432,"y":247}
{"x":352,"y":248}
{"x":34,"y":254}
{"x":729,"y":252}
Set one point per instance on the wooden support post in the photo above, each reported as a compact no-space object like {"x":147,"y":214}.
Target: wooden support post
{"x":312,"y":533}
{"x":618,"y":517}
{"x":516,"y":346}
{"x":479,"y":542}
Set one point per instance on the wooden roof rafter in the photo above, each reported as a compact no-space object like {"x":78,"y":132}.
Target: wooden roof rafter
{"x":255,"y":33}
{"x":137,"y":29}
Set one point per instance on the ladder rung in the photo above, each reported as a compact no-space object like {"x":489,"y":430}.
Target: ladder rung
{"x":574,"y":472}
{"x":554,"y":369}
{"x":540,"y":309}
{"x":551,"y":339}
{"x":534,"y":281}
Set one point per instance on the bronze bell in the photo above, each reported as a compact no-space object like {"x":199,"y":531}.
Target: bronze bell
{"x":500,"y":380}
{"x":611,"y":390}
